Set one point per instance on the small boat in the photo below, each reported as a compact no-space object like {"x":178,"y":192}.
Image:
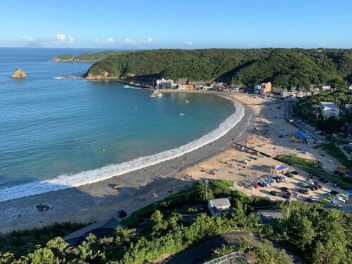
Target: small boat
{"x":181,"y":114}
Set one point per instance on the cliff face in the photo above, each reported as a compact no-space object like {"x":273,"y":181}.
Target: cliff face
{"x":19,"y":74}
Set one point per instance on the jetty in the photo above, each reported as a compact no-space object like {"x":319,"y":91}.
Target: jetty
{"x":156,"y":93}
{"x":137,"y":85}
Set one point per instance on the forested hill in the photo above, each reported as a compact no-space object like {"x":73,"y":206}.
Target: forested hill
{"x":88,"y":56}
{"x":285,"y":68}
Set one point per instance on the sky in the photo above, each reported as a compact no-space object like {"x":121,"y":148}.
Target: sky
{"x":185,"y":24}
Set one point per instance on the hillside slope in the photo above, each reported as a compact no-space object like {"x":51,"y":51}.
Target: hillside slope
{"x":285,"y":68}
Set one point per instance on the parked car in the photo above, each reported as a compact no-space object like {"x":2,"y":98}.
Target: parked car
{"x":304,"y":191}
{"x":274,"y":193}
{"x":294,"y":172}
{"x":285,"y":189}
{"x":249,"y":186}
{"x":333,"y":192}
{"x":288,"y":174}
{"x":295,"y":194}
{"x":286,"y":195}
{"x":255,"y":185}
{"x":308,"y":199}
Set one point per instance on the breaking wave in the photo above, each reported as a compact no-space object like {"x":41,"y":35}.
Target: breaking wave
{"x":109,"y":171}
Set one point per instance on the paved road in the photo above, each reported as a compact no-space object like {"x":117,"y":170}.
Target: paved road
{"x":203,"y":250}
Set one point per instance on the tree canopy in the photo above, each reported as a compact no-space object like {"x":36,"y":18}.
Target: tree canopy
{"x":285,"y":68}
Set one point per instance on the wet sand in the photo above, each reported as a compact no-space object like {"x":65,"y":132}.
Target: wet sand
{"x":99,"y":201}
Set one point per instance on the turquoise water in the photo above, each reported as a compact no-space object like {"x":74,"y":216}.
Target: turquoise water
{"x":51,"y":127}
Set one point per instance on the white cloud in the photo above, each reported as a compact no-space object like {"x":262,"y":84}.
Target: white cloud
{"x":129,"y":41}
{"x":96,"y":40}
{"x":60,"y":37}
{"x":110,"y":40}
{"x":186,"y":42}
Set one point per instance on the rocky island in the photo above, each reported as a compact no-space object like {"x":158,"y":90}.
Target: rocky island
{"x":19,"y":74}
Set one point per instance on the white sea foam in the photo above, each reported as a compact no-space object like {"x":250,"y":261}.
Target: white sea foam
{"x":109,"y":171}
{"x":58,"y":77}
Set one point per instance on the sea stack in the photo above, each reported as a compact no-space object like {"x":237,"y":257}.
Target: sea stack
{"x":19,"y":74}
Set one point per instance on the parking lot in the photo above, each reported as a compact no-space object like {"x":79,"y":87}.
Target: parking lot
{"x":308,"y":188}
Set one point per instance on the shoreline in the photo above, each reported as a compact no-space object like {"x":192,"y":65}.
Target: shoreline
{"x":98,"y":201}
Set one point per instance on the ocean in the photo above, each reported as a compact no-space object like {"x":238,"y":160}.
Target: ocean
{"x":68,"y":132}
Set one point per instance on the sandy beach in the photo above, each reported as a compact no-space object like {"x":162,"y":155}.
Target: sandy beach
{"x":263,"y":127}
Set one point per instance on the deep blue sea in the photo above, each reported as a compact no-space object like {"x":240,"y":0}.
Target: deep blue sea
{"x":51,"y":127}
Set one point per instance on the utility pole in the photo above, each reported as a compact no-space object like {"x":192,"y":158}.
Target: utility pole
{"x":155,"y":196}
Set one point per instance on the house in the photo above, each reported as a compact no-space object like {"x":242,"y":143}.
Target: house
{"x":281,"y":169}
{"x":268,"y":215}
{"x":248,"y":89}
{"x":190,"y":86}
{"x":219,"y":206}
{"x":350,"y":87}
{"x":101,"y":229}
{"x":198,"y":85}
{"x":285,"y":94}
{"x":165,"y":84}
{"x":182,"y":86}
{"x":324,"y":88}
{"x":329,"y":109}
{"x":263,"y":88}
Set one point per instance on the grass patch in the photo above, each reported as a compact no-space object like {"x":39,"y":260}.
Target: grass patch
{"x":337,"y":153}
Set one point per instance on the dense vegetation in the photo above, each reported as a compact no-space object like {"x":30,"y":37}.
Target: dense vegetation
{"x":285,"y":68}
{"x":23,"y":242}
{"x":308,"y":109}
{"x":89,"y":56}
{"x":319,"y":236}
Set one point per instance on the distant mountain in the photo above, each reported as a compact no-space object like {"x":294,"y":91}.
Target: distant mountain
{"x":88,"y":56}
{"x":32,"y":45}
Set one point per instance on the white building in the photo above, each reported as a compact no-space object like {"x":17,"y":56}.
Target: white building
{"x":165,"y":83}
{"x":324,"y":88}
{"x":329,"y":109}
{"x":219,"y":206}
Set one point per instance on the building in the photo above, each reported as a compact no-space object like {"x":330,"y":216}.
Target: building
{"x":165,"y":84}
{"x":285,"y":94}
{"x":329,"y":109}
{"x":263,"y":88}
{"x":281,"y":169}
{"x":219,"y":206}
{"x":350,"y":87}
{"x":324,"y":88}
